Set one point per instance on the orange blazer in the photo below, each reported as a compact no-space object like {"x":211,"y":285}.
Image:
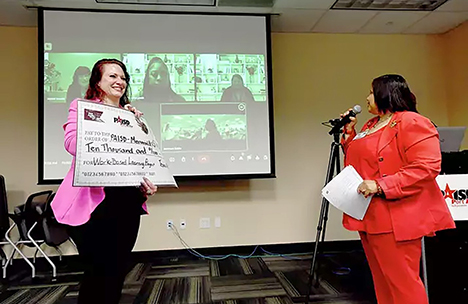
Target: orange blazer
{"x":409,"y":160}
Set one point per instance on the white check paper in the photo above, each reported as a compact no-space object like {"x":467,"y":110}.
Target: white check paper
{"x":342,"y":193}
{"x":114,"y":148}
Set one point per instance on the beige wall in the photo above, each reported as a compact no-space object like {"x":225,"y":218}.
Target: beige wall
{"x":316,"y":76}
{"x":456,"y":49}
{"x":18,"y":114}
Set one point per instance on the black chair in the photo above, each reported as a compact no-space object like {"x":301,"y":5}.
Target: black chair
{"x":27,"y":220}
{"x":6,"y":227}
{"x":55,"y":234}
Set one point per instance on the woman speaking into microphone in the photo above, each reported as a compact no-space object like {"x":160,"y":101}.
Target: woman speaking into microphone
{"x":397,"y":153}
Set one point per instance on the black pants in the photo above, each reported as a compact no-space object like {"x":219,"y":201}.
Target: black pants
{"x":105,"y":243}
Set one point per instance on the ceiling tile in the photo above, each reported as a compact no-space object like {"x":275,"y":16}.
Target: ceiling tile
{"x":343,"y":21}
{"x":454,"y":6}
{"x":437,"y":23}
{"x":13,"y":13}
{"x":243,"y":9}
{"x":294,"y":15}
{"x":276,"y":24}
{"x":294,"y":20}
{"x":392,"y":22}
{"x":308,"y":4}
{"x":173,"y":2}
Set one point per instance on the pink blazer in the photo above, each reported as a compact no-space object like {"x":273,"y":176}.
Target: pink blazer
{"x":73,"y":205}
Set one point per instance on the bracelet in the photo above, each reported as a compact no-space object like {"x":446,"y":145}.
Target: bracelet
{"x":379,"y":189}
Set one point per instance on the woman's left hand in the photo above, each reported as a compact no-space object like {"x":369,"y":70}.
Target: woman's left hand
{"x":367,"y":188}
{"x":148,"y":187}
{"x":131,"y":108}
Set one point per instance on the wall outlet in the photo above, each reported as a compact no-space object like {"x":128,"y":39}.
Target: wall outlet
{"x":217,"y":222}
{"x":183,"y":224}
{"x":169,"y":224}
{"x":205,"y":222}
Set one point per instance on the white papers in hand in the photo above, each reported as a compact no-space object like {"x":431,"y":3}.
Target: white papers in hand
{"x":342,"y":193}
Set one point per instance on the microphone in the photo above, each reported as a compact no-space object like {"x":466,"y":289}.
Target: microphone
{"x":338,"y":123}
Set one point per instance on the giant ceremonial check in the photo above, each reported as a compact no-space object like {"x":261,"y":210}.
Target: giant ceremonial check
{"x":114,"y":148}
{"x":454,"y":188}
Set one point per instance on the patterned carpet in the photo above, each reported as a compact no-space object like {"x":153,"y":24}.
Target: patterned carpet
{"x":344,"y":278}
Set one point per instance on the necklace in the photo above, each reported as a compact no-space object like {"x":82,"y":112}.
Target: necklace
{"x":376,"y":127}
{"x":382,"y":122}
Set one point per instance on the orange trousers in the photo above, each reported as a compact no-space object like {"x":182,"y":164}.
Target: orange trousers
{"x":395,"y":269}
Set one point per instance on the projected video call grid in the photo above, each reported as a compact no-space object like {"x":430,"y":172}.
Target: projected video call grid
{"x":163,"y":77}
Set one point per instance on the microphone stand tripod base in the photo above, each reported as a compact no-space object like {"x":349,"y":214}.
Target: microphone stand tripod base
{"x":332,"y":170}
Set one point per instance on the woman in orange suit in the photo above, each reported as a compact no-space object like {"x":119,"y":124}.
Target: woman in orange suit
{"x":397,"y":153}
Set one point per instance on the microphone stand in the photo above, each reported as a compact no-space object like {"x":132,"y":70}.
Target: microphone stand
{"x":333,"y":169}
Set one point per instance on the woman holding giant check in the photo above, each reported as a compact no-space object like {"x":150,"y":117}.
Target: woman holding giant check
{"x":103,"y":221}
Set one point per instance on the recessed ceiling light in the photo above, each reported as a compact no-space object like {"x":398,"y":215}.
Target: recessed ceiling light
{"x":404,"y":5}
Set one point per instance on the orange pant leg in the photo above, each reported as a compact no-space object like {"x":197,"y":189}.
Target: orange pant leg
{"x":382,"y":290}
{"x":395,"y":269}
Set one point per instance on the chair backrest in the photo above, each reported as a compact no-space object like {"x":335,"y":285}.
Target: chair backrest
{"x":28,"y":215}
{"x":48,"y":212}
{"x":38,"y":199}
{"x":4,"y":220}
{"x":54,"y":232}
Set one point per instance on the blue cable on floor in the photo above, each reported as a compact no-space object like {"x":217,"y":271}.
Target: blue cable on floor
{"x":222,"y":257}
{"x":292,"y":256}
